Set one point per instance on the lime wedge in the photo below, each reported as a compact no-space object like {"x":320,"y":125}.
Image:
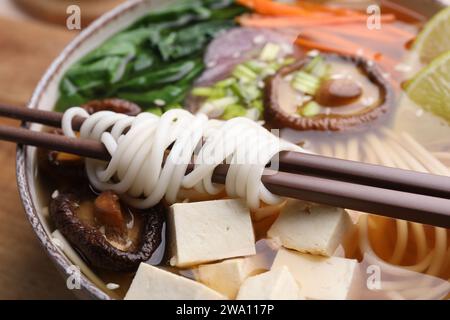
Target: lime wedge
{"x":434,"y":39}
{"x":430,"y":88}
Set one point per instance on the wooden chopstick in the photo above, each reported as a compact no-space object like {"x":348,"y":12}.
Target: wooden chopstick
{"x":82,"y":147}
{"x":303,"y":184}
{"x":48,"y":118}
{"x":367,"y":174}
{"x":339,"y":169}
{"x":385,"y":202}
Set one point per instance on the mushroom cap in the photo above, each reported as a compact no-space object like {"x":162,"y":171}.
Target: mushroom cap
{"x":116,"y":105}
{"x":277,"y":117}
{"x":94,"y":246}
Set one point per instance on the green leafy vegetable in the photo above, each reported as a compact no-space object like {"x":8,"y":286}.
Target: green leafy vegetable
{"x":157,"y":58}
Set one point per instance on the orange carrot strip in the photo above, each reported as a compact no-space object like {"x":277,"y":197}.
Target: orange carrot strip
{"x":283,"y":22}
{"x":326,"y":8}
{"x":309,"y":44}
{"x":349,"y":48}
{"x":268,"y":7}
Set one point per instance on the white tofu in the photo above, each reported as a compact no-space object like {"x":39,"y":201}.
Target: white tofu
{"x":314,"y":229}
{"x":319,"y":277}
{"x":278,"y":284}
{"x":152,"y":283}
{"x":227,"y":276}
{"x":208,"y":231}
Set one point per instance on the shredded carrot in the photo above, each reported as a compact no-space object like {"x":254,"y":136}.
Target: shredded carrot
{"x":272,"y":8}
{"x":284,"y":22}
{"x":316,"y":25}
{"x":350,"y":49}
{"x":324,"y":41}
{"x":326,"y":8}
{"x":309,"y":44}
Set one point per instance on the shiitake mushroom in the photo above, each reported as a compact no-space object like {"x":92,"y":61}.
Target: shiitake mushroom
{"x":60,"y":167}
{"x":114,"y":104}
{"x":334,"y":94}
{"x":338,"y":92}
{"x":107,"y":233}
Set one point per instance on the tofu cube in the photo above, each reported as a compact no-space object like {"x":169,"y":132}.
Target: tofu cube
{"x":319,"y":277}
{"x":314,"y":229}
{"x":278,"y":284}
{"x":208,"y":231}
{"x":152,"y":283}
{"x":227,"y":276}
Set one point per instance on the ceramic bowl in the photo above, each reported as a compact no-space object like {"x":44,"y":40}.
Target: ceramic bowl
{"x":45,"y":96}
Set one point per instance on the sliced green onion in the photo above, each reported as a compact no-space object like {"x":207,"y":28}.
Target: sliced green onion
{"x":258,"y":104}
{"x":233,"y":111}
{"x":225,"y":83}
{"x":306,"y":83}
{"x":253,"y":114}
{"x":215,"y":108}
{"x":210,"y":93}
{"x":303,"y":76}
{"x":242,"y":93}
{"x":305,"y":87}
{"x":202,"y":91}
{"x":256,"y":65}
{"x":251,"y":92}
{"x":218,"y":93}
{"x":224,"y":102}
{"x":244,"y":74}
{"x":270,"y":52}
{"x":311,"y":109}
{"x":320,"y":70}
{"x":313,"y":63}
{"x":317,"y":67}
{"x":246,"y":92}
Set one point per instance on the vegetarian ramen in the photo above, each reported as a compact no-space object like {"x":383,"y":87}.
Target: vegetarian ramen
{"x":202,"y":83}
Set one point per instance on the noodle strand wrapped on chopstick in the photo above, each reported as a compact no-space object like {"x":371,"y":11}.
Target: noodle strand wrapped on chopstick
{"x":139,"y":171}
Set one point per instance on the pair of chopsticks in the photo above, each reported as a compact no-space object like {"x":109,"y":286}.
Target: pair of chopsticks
{"x":389,"y":192}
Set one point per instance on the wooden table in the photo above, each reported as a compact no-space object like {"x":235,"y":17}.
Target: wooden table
{"x":26,"y":50}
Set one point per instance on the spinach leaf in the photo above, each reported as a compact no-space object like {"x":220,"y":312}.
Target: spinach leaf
{"x":104,"y":70}
{"x":123,"y":44}
{"x":186,"y":11}
{"x":156,"y":58}
{"x":190,"y":40}
{"x":169,"y":95}
{"x":169,"y":73}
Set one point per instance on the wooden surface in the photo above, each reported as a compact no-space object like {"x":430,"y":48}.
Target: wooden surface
{"x":55,"y":10}
{"x":26,"y":50}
